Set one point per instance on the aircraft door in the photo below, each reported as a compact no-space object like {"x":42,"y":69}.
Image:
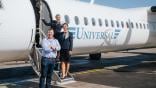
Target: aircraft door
{"x":46,"y":15}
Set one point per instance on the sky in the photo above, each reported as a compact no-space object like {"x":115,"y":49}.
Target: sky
{"x":125,"y":3}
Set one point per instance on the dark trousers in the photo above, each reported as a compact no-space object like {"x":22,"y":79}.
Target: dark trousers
{"x":47,"y":67}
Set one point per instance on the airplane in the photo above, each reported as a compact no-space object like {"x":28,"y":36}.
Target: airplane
{"x":96,"y":29}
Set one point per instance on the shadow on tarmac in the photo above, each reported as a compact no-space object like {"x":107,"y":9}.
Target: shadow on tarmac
{"x":133,"y":63}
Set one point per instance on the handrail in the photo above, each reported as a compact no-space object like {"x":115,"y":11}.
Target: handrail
{"x":35,"y":59}
{"x":41,"y":32}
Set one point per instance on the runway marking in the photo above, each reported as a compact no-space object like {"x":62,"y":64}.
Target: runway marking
{"x":148,"y":73}
{"x":100,"y":70}
{"x":89,"y":71}
{"x":115,"y":67}
{"x":80,"y":84}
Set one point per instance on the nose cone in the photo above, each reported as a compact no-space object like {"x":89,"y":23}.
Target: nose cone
{"x":17,"y":28}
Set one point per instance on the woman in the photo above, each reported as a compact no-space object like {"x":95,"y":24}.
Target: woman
{"x":66,"y":42}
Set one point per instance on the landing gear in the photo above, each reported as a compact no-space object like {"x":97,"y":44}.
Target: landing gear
{"x":96,"y":56}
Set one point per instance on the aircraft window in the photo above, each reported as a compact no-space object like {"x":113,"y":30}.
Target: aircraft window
{"x":100,"y":22}
{"x":117,"y":23}
{"x":147,"y":26}
{"x":85,"y":21}
{"x":140,"y":26}
{"x":77,"y":21}
{"x":136,"y":25}
{"x":132,"y":25}
{"x":144,"y":26}
{"x":66,"y":17}
{"x":122,"y":24}
{"x":127,"y":24}
{"x":93,"y":22}
{"x":0,"y":4}
{"x":112,"y":23}
{"x":106,"y":23}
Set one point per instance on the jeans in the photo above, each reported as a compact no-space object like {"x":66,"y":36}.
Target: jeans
{"x":47,"y":67}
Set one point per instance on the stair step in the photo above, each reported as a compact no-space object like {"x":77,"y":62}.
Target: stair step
{"x":56,"y":71}
{"x":67,"y":79}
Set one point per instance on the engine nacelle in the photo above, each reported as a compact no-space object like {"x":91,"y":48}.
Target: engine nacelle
{"x":153,"y":9}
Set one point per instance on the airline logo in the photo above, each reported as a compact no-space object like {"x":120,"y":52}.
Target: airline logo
{"x":81,"y":33}
{"x":116,"y":33}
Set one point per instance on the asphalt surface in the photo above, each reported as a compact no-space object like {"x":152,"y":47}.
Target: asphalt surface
{"x":132,"y":69}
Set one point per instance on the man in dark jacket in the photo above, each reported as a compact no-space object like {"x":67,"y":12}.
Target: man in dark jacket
{"x":56,"y":25}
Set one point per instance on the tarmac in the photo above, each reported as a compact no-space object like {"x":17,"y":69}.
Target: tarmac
{"x":124,"y":69}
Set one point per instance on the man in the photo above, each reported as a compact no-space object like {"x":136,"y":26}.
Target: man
{"x":66,"y":42}
{"x":50,"y":47}
{"x":56,"y":25}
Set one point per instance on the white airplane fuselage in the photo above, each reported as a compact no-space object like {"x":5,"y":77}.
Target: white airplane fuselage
{"x":17,"y":27}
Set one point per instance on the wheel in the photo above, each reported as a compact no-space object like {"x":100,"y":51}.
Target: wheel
{"x":96,"y":56}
